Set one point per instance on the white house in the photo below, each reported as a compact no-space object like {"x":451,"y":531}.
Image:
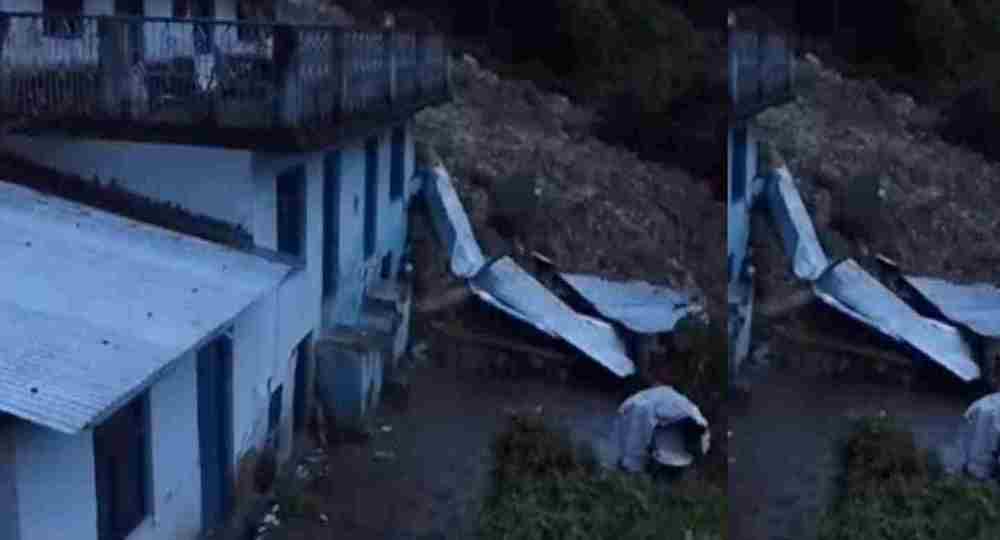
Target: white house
{"x":141,"y":367}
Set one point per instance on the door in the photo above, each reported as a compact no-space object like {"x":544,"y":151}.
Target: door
{"x":371,"y":194}
{"x":203,"y":9}
{"x":134,"y":32}
{"x":303,"y":371}
{"x":291,"y":212}
{"x":215,"y":429}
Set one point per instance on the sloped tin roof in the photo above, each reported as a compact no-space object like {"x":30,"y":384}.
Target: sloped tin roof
{"x":95,"y":307}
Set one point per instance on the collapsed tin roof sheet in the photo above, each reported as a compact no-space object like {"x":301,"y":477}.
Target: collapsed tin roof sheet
{"x":98,"y":306}
{"x":506,"y":286}
{"x":796,"y":227}
{"x":452,"y":224}
{"x":975,"y":306}
{"x":851,"y":290}
{"x":639,"y":306}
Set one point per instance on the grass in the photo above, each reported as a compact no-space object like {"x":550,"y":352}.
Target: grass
{"x":891,"y":489}
{"x":545,"y":487}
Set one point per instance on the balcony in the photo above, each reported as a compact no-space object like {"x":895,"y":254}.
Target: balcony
{"x":761,"y":68}
{"x":212,"y":82}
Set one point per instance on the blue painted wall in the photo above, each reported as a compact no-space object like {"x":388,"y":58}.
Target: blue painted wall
{"x":742,"y":169}
{"x":8,"y":481}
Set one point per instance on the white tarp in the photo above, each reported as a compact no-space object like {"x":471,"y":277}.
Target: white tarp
{"x":979,"y":437}
{"x":654,"y":424}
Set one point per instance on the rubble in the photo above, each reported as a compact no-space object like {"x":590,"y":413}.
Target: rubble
{"x":601,"y":210}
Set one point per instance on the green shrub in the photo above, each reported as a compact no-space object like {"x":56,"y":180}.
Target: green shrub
{"x":642,"y":49}
{"x":892,"y":490}
{"x":545,"y":488}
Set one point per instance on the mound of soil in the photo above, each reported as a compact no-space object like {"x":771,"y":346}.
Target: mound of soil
{"x":603,"y":210}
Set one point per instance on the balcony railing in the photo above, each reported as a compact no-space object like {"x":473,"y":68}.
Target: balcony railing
{"x":761,"y":67}
{"x":247,"y":82}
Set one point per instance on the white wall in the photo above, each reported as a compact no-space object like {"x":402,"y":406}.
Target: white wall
{"x":345,"y":306}
{"x":55,"y":472}
{"x":55,"y":483}
{"x":174,"y":447}
{"x":209,"y":181}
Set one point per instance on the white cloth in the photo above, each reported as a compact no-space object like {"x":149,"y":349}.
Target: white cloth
{"x":650,"y":424}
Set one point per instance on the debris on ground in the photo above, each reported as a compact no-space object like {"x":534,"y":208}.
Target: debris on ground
{"x":506,"y":286}
{"x":850,"y":289}
{"x":637,"y":305}
{"x":881,"y":186}
{"x":661,"y":419}
{"x":595,"y":208}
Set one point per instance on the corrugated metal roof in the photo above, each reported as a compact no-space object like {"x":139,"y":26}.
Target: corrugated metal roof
{"x":638,"y":305}
{"x":796,"y":227}
{"x":975,"y":306}
{"x":850,"y":289}
{"x":96,"y":307}
{"x":452,"y":224}
{"x":508,"y":287}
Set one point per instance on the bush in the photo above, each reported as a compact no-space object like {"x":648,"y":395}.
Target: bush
{"x":546,"y":488}
{"x":892,"y":490}
{"x":642,"y":49}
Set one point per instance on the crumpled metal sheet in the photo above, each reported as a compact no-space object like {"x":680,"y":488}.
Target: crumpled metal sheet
{"x":506,"y":286}
{"x":796,"y":227}
{"x":851,"y":290}
{"x":452,"y":224}
{"x":655,"y":418}
{"x":975,"y":306}
{"x":639,"y":306}
{"x":979,"y":438}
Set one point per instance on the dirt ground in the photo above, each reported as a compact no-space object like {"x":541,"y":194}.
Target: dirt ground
{"x":424,"y":471}
{"x":786,"y":442}
{"x":937,"y":220}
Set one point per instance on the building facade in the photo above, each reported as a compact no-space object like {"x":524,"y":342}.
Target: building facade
{"x":299,"y":135}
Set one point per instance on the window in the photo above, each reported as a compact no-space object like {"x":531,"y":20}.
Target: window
{"x":386,"y":271}
{"x":331,"y":221}
{"x":121,"y":467}
{"x":371,"y":194}
{"x":274,"y":413}
{"x":292,"y":211}
{"x":739,"y":171}
{"x":68,"y":27}
{"x":398,"y":163}
{"x":249,"y":12}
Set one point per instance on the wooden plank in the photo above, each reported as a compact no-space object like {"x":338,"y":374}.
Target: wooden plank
{"x":836,"y":345}
{"x":496,"y":342}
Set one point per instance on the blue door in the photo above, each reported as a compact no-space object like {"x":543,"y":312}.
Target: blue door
{"x":371,"y":194}
{"x":215,"y":429}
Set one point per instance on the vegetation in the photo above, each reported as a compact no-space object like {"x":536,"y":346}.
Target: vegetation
{"x":545,"y":487}
{"x":892,"y":490}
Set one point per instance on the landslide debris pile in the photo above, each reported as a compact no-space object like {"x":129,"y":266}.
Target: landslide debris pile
{"x":938,"y":212}
{"x":598,"y":208}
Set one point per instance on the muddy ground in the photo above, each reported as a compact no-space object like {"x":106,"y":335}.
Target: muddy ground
{"x":938,"y":219}
{"x":786,"y":441}
{"x":424,"y":471}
